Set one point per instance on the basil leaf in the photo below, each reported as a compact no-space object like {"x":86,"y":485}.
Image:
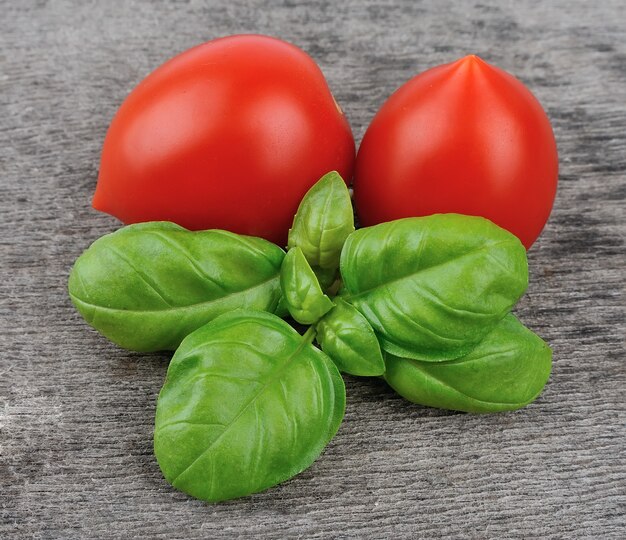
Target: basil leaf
{"x":349,"y":340}
{"x":146,"y":286}
{"x":301,"y":290}
{"x":506,"y":371}
{"x":323,"y":222}
{"x":433,"y":287}
{"x":247,"y":403}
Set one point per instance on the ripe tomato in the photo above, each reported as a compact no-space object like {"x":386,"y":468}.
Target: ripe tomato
{"x":464,"y":137}
{"x":230,"y":135}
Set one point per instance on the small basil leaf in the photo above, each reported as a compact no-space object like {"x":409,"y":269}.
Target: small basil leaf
{"x":146,"y":286}
{"x":323,"y":222}
{"x":349,"y":340}
{"x":301,"y":290}
{"x":433,"y":287}
{"x":247,"y":403}
{"x":506,"y":371}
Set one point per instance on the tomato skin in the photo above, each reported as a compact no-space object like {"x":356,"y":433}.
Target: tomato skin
{"x":465,"y":137}
{"x":229,"y":135}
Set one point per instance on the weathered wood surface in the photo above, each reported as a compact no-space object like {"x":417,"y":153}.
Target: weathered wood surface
{"x":76,"y":412}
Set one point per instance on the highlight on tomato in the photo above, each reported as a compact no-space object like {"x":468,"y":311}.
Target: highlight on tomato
{"x":228,"y":135}
{"x":465,"y":137}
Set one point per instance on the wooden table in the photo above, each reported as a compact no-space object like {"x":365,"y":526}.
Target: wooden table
{"x":76,"y":412}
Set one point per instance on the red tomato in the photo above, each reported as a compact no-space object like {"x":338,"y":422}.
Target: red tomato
{"x":230,"y":135}
{"x":465,"y":137}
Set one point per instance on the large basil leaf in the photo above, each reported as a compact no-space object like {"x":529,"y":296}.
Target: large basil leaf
{"x":433,"y":287}
{"x":349,"y":340}
{"x":247,"y":404}
{"x":323,"y":222}
{"x":506,"y":371}
{"x":301,"y":291}
{"x":147,"y":286}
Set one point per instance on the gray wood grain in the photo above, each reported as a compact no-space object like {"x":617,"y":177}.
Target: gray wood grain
{"x":76,"y":412}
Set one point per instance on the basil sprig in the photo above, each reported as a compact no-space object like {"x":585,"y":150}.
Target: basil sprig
{"x":249,"y":402}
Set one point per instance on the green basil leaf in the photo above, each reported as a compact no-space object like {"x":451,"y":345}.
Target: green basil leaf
{"x":433,"y":287}
{"x":247,"y":403}
{"x":323,"y":222}
{"x":349,"y":340}
{"x":146,"y":286}
{"x":301,"y":290}
{"x":506,"y":371}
